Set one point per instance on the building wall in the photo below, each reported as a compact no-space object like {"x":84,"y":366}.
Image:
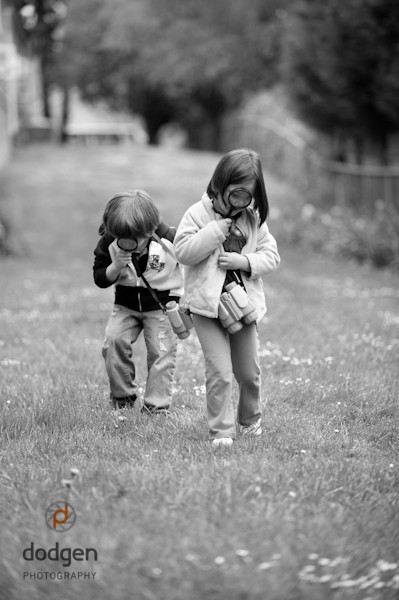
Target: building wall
{"x":10,"y":67}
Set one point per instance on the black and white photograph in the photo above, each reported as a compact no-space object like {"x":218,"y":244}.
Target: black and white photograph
{"x":199,"y":300}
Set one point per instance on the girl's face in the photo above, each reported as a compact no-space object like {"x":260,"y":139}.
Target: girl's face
{"x":236,"y":197}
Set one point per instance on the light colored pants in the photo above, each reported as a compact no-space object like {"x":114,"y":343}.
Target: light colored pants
{"x":227,"y":355}
{"x":123,"y":329}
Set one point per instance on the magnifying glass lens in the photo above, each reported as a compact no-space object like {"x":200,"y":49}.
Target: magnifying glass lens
{"x":127,"y":244}
{"x":240,"y":198}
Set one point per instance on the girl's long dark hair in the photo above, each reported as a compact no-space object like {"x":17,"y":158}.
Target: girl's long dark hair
{"x":235,"y":167}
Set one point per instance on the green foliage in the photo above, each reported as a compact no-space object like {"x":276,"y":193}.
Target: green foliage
{"x":35,"y":23}
{"x":167,"y":60}
{"x":343,"y":233}
{"x":341,"y":65}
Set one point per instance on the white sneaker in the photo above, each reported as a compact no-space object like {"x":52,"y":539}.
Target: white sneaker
{"x":254,"y":429}
{"x":222,"y":442}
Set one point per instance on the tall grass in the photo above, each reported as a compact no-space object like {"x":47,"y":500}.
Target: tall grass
{"x":307,"y":511}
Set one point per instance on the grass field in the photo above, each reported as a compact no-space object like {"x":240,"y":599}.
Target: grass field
{"x":308,"y":511}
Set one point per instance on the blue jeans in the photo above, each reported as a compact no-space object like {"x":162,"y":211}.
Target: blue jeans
{"x":123,"y":329}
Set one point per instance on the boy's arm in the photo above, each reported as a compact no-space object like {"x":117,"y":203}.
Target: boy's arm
{"x":102,"y":260}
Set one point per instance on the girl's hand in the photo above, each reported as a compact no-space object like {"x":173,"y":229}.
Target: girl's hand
{"x":232,"y":261}
{"x":225,"y":225}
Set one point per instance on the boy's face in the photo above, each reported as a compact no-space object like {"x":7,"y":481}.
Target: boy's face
{"x":136,"y":245}
{"x":142,"y":243}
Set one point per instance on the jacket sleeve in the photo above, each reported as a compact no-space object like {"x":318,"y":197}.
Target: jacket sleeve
{"x":102,"y":259}
{"x":195,"y":242}
{"x":266,"y":257}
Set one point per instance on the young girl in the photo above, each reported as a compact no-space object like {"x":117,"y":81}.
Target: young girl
{"x":135,"y":242}
{"x":224,"y":238}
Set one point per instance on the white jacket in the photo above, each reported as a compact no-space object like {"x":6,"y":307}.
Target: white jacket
{"x":198,"y":244}
{"x":162,"y":274}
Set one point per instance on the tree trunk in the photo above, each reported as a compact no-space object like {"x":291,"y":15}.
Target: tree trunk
{"x":383,"y":149}
{"x":45,"y":88}
{"x":359,"y":149}
{"x":64,"y":114}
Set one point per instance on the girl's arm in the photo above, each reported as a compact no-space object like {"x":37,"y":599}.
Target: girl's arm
{"x":266,"y":257}
{"x":193,"y":242}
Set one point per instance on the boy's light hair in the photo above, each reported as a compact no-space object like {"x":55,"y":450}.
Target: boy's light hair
{"x":130,"y":214}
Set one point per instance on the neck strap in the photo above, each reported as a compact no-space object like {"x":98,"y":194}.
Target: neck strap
{"x":150,"y":289}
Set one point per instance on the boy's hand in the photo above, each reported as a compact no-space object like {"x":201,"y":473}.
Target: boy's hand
{"x":225,"y":225}
{"x":232,"y":261}
{"x":122,"y":258}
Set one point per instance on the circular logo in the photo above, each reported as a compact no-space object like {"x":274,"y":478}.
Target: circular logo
{"x":60,"y":516}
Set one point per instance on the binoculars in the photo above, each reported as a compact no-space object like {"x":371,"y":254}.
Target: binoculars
{"x":181,"y":322}
{"x":235,"y":307}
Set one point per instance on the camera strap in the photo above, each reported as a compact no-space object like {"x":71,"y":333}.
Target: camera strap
{"x":148,"y":286}
{"x":164,"y":246}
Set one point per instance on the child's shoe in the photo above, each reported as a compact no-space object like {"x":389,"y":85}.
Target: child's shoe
{"x":254,"y":429}
{"x":223,"y":441}
{"x":126,"y":402}
{"x":154,"y":410}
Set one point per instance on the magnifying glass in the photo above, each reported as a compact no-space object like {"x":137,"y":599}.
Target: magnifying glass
{"x":128,"y":244}
{"x":239,"y":198}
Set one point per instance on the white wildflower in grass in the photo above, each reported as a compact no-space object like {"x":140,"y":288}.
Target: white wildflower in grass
{"x":219,"y":560}
{"x":383,"y":565}
{"x":265,"y":566}
{"x":338,"y":560}
{"x":10,"y":362}
{"x":292,"y":494}
{"x":75,"y":472}
{"x":242,"y":553}
{"x":191,"y":557}
{"x":66,"y":483}
{"x":325,"y":578}
{"x":381,"y":576}
{"x":156,"y":572}
{"x":122,"y":418}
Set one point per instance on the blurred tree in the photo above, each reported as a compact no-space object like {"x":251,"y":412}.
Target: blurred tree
{"x":171,"y":60}
{"x":35,"y":24}
{"x":341,"y":66}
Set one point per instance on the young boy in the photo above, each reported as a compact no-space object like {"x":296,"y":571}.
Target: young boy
{"x":132,"y":234}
